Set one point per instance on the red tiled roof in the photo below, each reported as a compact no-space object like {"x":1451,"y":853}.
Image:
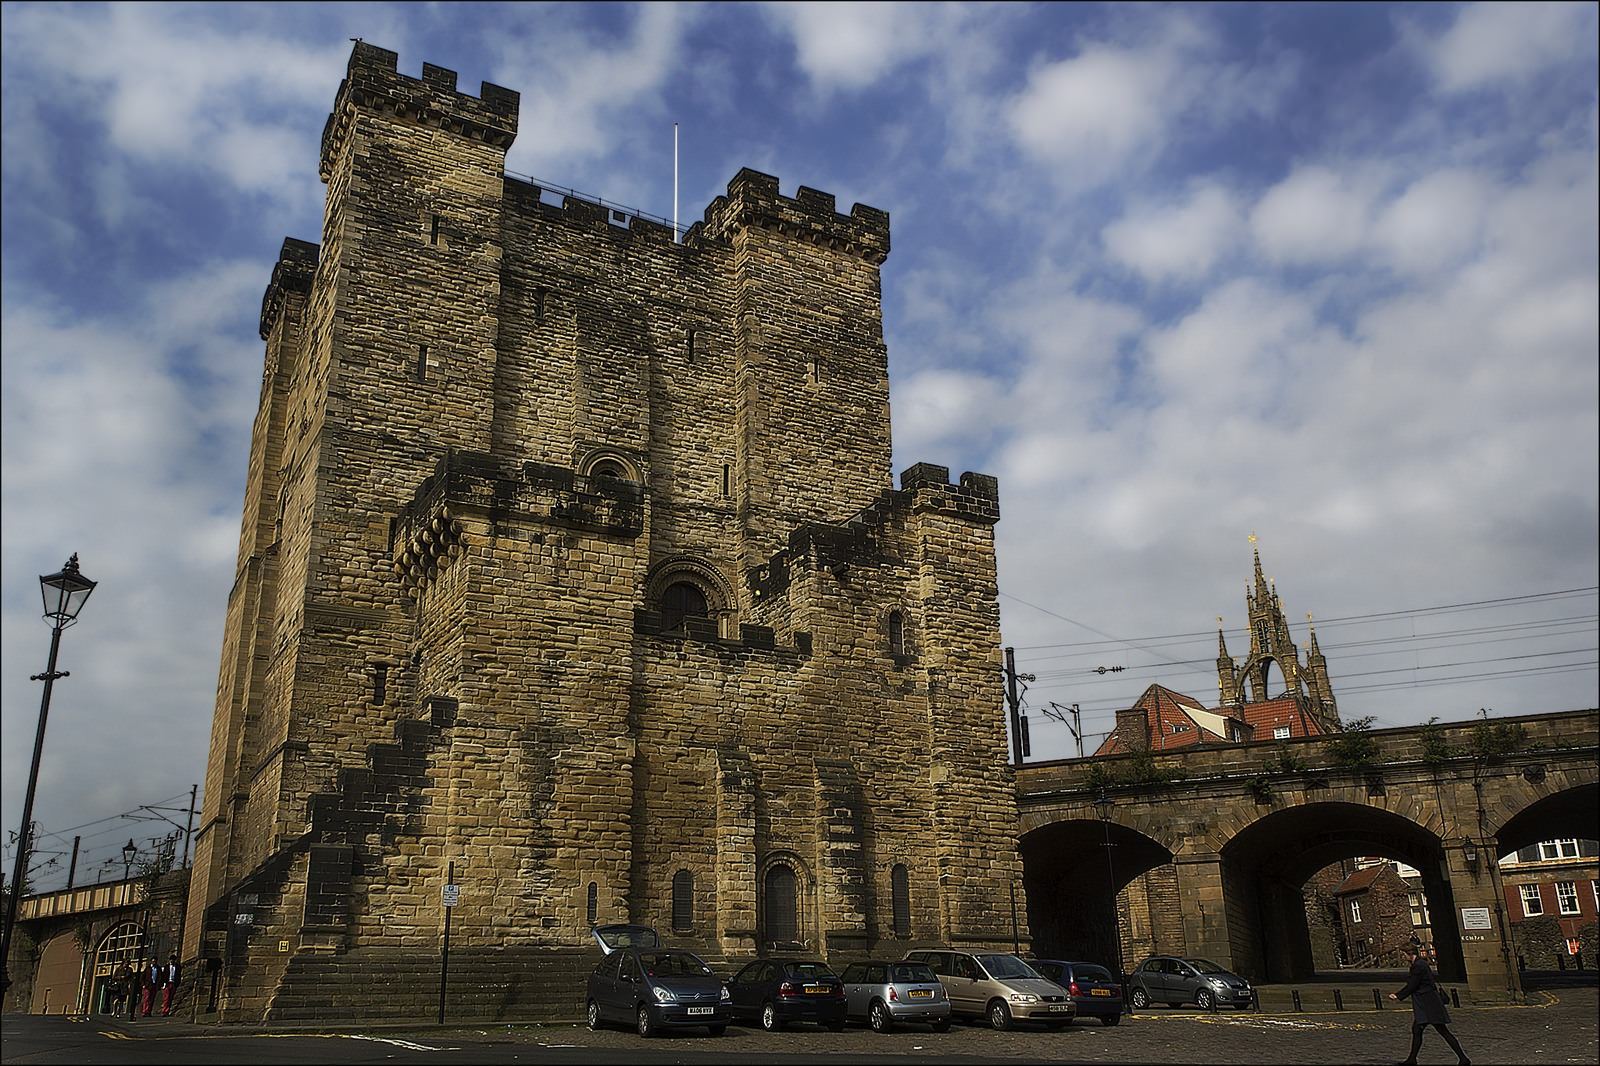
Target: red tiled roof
{"x":1171,"y":727}
{"x":1361,"y":880}
{"x":1268,"y":715}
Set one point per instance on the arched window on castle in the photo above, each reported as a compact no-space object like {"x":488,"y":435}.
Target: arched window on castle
{"x":592,"y":909}
{"x":682,"y":902}
{"x":609,"y":468}
{"x":900,"y":891}
{"x":681,"y":600}
{"x":897,"y":634}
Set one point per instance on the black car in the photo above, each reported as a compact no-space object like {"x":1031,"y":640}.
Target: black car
{"x":1095,"y":991}
{"x":776,"y":992}
{"x":1174,"y":981}
{"x":656,"y":988}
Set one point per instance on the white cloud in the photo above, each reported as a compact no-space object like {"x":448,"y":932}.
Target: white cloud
{"x":1091,"y":114}
{"x":1180,"y":240}
{"x":1315,"y":215}
{"x":1435,"y":221}
{"x":850,"y":46}
{"x":1495,"y":43}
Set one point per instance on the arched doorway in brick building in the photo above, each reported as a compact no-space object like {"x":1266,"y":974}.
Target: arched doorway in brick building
{"x":120,"y":945}
{"x":786,"y":917}
{"x":60,"y":973}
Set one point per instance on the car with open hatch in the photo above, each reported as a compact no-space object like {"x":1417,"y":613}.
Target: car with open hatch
{"x":650,"y":987}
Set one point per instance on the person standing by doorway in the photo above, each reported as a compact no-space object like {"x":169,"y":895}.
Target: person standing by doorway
{"x":152,"y":981}
{"x":1427,"y":1007}
{"x":169,"y":984}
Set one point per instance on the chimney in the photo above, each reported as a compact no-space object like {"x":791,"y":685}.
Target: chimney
{"x":1133,"y":729}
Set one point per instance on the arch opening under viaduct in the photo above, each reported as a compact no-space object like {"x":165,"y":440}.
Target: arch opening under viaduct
{"x":1072,"y":872}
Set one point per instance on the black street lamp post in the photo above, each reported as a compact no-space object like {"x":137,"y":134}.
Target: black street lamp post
{"x":64,"y":596}
{"x":1102,"y":805}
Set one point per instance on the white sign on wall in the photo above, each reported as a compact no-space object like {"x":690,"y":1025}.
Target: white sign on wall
{"x":452,"y":895}
{"x":1475,"y":918}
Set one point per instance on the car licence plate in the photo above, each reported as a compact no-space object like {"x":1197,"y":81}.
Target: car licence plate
{"x":1099,"y":991}
{"x":817,"y":990}
{"x":1060,"y":1006}
{"x":702,"y":1010}
{"x":920,"y":993}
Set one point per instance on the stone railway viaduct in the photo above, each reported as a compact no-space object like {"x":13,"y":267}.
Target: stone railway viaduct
{"x":1244,"y":826}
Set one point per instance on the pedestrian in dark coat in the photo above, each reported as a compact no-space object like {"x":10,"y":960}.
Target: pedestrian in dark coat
{"x":1427,"y":1007}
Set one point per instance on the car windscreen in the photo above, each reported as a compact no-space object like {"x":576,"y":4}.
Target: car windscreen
{"x":673,"y":964}
{"x":627,"y":936}
{"x":808,"y":971}
{"x":911,"y":973}
{"x":1091,"y":973}
{"x":1205,"y":966}
{"x":1006,"y":967}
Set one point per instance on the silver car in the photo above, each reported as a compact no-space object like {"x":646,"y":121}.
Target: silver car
{"x":886,"y":994}
{"x":1000,"y":988}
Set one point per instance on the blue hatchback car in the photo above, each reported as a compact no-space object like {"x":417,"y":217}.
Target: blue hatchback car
{"x":653,"y":988}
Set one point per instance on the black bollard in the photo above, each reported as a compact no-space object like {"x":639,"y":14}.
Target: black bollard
{"x":1255,"y":1000}
{"x":1338,"y":1000}
{"x":1377,"y":1000}
{"x":1295,"y":993}
{"x":1455,"y":999}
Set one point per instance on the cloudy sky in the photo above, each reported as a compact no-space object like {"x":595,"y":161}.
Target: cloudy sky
{"x":1325,"y":274}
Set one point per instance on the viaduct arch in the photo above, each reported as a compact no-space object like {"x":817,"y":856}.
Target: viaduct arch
{"x":1238,"y":829}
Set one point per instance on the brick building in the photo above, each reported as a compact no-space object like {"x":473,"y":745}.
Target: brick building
{"x":1552,"y":898}
{"x":572,"y":571}
{"x":1364,"y":912}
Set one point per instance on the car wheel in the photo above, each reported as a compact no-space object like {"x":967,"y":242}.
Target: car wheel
{"x":1141,"y":999}
{"x":717,"y":1030}
{"x":769,"y":1018}
{"x":1204,"y":1000}
{"x":878,"y":1017}
{"x":999,"y":1015}
{"x":594,"y":1016}
{"x":942,"y":1025}
{"x":647,"y":1024}
{"x":1110,"y":1019}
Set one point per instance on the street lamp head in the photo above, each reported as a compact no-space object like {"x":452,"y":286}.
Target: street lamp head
{"x":129,"y":851}
{"x":65,"y":593}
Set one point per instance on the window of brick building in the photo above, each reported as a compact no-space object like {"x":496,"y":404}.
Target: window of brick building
{"x":1567,"y":897}
{"x":1280,"y":732}
{"x":897,"y":634}
{"x":1532,"y":904}
{"x":1558,"y":849}
{"x":682,"y":901}
{"x":608,"y":468}
{"x":1419,"y":909}
{"x":1355,"y":912}
{"x":900,"y":890}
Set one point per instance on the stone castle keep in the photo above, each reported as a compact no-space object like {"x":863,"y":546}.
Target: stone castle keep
{"x":571,"y":557}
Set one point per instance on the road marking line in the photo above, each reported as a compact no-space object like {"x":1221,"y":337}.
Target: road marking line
{"x":408,"y":1045}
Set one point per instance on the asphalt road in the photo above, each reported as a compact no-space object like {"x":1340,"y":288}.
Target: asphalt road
{"x":1563,"y":1028}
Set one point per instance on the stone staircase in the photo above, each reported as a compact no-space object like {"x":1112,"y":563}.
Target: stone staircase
{"x":510,"y":984}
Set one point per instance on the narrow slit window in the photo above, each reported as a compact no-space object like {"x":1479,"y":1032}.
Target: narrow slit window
{"x":815,"y":370}
{"x":592,"y":907}
{"x":422,"y":362}
{"x":380,"y":681}
{"x":690,"y":346}
{"x":897,"y":634}
{"x":726,"y":480}
{"x":539,"y":295}
{"x":900,"y":891}
{"x":433,"y":230}
{"x":682,"y":902}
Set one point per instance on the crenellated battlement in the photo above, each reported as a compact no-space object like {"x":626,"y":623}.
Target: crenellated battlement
{"x":858,"y":540}
{"x":576,"y":209}
{"x":293,"y":272}
{"x":373,"y":81}
{"x":753,"y":199}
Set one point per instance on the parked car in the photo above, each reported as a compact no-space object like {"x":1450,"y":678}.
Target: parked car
{"x":776,"y":992}
{"x":1095,"y":991}
{"x":656,"y":988}
{"x":1000,"y":988}
{"x":1174,"y":981}
{"x":885,"y":994}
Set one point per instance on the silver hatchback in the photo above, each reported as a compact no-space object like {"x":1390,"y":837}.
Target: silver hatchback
{"x":886,"y":994}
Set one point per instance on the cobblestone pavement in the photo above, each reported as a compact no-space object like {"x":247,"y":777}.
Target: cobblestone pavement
{"x":1561,"y":1028}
